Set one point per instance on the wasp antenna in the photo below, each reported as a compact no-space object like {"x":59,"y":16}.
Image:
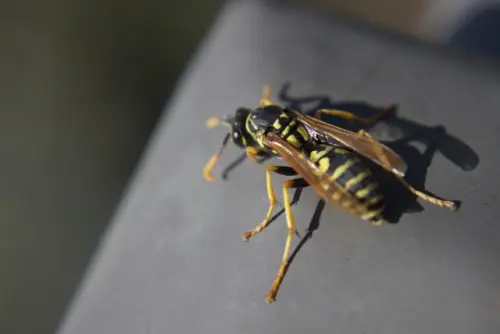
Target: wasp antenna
{"x":212,"y":122}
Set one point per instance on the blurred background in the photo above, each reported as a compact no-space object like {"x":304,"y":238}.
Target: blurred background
{"x":82,"y":84}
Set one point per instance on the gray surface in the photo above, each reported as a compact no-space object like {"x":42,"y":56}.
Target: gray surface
{"x":174,"y":262}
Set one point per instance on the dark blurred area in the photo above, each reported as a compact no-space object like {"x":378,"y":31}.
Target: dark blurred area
{"x":480,"y":31}
{"x":82,"y":84}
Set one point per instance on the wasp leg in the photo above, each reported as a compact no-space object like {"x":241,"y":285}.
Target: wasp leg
{"x":452,"y":205}
{"x":283,"y":170}
{"x":295,"y":183}
{"x":265,"y":100}
{"x":260,"y":157}
{"x":350,"y":116}
{"x":252,"y":154}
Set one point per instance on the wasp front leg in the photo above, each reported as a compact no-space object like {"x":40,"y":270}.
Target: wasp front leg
{"x":257,"y":156}
{"x":253,"y":152}
{"x":282,"y":170}
{"x":295,"y":183}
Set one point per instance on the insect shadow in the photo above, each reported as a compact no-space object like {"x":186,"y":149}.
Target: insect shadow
{"x":399,"y":200}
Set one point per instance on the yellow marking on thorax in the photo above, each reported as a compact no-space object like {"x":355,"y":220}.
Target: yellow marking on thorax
{"x":293,"y":140}
{"x":285,"y":132}
{"x":259,"y":141}
{"x":341,"y":169}
{"x":336,"y":196}
{"x":247,"y":124}
{"x":357,"y":179}
{"x":365,"y":191}
{"x":303,"y":132}
{"x":287,"y":129}
{"x":277,"y":124}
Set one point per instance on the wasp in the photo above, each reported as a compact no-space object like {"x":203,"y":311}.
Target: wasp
{"x":330,"y":159}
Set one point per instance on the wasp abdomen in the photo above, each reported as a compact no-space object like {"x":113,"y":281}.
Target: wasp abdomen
{"x":349,"y":171}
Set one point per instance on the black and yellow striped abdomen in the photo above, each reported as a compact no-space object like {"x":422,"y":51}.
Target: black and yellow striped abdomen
{"x":350,"y":171}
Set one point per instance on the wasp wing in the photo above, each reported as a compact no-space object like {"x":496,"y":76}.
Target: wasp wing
{"x":364,"y":145}
{"x":326,"y":189}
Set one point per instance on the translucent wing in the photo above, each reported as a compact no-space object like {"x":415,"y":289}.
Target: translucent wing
{"x":329,"y":191}
{"x":364,"y":145}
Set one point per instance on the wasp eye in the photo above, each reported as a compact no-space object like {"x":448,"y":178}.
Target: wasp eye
{"x":237,"y":138}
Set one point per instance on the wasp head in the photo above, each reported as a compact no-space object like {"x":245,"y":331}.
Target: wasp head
{"x":237,"y":131}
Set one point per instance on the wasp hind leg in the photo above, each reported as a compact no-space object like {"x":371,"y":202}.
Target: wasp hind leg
{"x":452,"y":205}
{"x":265,"y":100}
{"x":350,"y":116}
{"x":283,"y":170}
{"x":295,"y":183}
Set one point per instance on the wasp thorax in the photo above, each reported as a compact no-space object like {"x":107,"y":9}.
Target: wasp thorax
{"x":264,"y":117}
